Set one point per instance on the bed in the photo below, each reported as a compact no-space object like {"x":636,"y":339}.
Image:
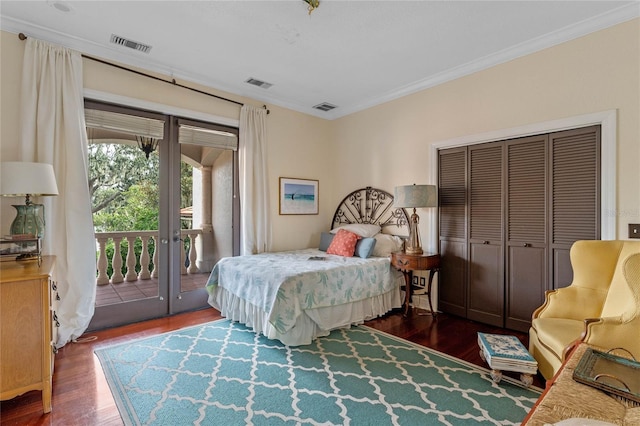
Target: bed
{"x":300,"y":295}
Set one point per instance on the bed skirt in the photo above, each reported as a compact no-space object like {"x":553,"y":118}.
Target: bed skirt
{"x":311,"y":323}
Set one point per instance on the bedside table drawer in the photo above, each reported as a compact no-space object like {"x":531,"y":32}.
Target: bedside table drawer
{"x":410,"y":262}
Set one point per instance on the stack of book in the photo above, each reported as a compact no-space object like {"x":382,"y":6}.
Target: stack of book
{"x":506,"y":353}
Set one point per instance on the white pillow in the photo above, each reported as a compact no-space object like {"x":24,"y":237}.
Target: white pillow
{"x":365,"y":230}
{"x":385,"y":244}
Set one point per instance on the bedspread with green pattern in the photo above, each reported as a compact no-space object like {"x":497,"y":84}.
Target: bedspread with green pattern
{"x":284,"y":284}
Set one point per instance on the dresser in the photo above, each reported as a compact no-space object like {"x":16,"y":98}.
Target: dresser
{"x":27,"y":316}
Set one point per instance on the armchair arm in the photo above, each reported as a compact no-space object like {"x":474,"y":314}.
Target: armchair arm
{"x":613,"y":332}
{"x":571,"y":302}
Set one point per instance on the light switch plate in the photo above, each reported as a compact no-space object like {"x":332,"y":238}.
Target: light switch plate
{"x":634,"y":230}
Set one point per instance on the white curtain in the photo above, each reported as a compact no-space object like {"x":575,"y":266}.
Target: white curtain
{"x":53,"y":131}
{"x":255,"y":227}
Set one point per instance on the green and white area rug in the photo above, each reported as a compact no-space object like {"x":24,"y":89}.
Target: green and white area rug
{"x":222,"y":373}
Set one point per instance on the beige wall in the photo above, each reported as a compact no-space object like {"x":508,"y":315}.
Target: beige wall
{"x":598,"y":72}
{"x":298,"y":145}
{"x":390,"y":144}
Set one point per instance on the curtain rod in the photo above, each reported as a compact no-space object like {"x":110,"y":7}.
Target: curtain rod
{"x":173,"y":82}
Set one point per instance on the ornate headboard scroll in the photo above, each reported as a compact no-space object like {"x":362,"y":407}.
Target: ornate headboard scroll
{"x":373,"y":206}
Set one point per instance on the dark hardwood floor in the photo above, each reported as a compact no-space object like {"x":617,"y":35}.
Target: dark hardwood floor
{"x":81,"y":395}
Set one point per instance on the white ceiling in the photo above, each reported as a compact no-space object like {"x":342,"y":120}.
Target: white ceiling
{"x":353,"y":54}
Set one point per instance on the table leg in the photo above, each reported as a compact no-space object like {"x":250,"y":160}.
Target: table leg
{"x":496,"y":375}
{"x":408,"y":279}
{"x":431,"y":274}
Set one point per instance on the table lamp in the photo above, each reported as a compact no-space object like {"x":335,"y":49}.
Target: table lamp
{"x":24,"y":179}
{"x":414,"y":196}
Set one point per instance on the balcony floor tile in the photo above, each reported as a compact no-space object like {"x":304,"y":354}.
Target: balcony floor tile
{"x":110,"y":294}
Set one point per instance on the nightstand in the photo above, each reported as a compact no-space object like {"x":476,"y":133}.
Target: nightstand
{"x":407,"y":263}
{"x":27,"y":299}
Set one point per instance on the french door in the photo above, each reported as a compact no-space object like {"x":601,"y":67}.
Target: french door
{"x":170,"y":195}
{"x":200,"y":193}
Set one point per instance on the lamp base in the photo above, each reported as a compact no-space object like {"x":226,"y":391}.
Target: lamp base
{"x":412,"y":245}
{"x":413,"y":250}
{"x":29,"y":220}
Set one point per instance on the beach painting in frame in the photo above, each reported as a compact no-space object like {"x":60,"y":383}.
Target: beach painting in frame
{"x":298,"y":196}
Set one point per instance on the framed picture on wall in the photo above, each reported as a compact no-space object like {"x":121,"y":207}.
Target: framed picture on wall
{"x":298,"y":196}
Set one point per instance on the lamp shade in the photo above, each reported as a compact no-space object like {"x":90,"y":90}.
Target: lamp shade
{"x":18,"y":178}
{"x":415,"y":196}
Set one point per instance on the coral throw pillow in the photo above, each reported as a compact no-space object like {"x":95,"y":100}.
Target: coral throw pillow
{"x":343,"y":244}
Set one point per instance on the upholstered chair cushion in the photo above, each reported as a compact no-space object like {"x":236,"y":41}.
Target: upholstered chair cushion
{"x":557,"y":333}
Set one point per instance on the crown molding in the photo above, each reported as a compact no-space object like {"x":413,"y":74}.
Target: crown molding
{"x":605,"y":20}
{"x":600,"y":22}
{"x":90,"y":48}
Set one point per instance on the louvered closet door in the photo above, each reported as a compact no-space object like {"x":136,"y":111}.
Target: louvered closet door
{"x":509,"y":213}
{"x":486,"y":250}
{"x":452,"y":220}
{"x":526,"y":255}
{"x":574,"y":196}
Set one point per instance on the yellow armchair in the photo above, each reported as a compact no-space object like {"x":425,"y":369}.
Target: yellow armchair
{"x":601,"y":307}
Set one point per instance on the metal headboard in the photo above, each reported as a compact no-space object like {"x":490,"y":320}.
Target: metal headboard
{"x":372,"y":206}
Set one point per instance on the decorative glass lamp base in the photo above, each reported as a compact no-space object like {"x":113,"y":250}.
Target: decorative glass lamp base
{"x":29,"y":220}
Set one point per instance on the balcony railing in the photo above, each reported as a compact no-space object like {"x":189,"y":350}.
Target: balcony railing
{"x":188,"y":261}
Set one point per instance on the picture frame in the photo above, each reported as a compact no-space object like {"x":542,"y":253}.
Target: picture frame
{"x":298,"y":196}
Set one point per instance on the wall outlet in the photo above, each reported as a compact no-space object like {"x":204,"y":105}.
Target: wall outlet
{"x":634,"y":230}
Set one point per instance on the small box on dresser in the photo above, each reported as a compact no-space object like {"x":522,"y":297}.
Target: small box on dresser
{"x":26,"y":320}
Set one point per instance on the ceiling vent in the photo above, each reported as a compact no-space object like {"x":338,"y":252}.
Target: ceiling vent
{"x":145,"y":48}
{"x":259,"y":83}
{"x":325,"y":106}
